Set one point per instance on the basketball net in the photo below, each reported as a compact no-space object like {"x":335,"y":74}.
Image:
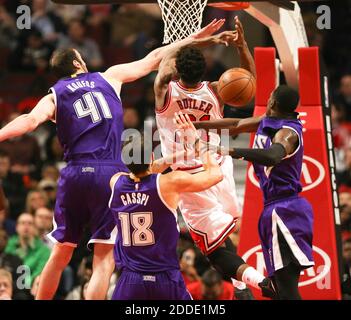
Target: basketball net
{"x":181,"y":18}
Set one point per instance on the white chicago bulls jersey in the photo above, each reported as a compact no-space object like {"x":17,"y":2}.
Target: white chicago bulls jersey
{"x":201,"y":104}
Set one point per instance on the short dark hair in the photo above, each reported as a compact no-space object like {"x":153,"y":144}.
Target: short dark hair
{"x":61,"y":62}
{"x":286,"y":98}
{"x":135,"y":155}
{"x":190,"y":64}
{"x":211,"y":277}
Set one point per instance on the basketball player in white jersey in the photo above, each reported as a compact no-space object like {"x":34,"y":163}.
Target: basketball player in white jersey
{"x":210,"y":215}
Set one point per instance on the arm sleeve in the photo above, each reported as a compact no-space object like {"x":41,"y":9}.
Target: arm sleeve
{"x":267,"y":157}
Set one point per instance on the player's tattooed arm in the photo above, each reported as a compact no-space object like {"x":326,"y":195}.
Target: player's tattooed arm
{"x":288,"y":139}
{"x":43,"y":111}
{"x":285,"y":142}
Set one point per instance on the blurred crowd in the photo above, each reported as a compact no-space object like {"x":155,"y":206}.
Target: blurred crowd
{"x":30,"y":165}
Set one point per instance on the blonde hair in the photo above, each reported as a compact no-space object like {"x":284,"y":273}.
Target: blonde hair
{"x":29,"y":200}
{"x":6,"y":274}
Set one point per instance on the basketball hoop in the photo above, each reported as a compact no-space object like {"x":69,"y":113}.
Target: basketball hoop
{"x":230,"y":6}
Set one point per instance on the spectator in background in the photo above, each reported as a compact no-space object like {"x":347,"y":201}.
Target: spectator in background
{"x":28,"y":247}
{"x":34,"y":288}
{"x":346,"y":284}
{"x":43,"y":224}
{"x":49,"y":187}
{"x":146,"y":105}
{"x":84,"y":274}
{"x":344,"y":177}
{"x":6,"y":288}
{"x":36,"y":199}
{"x":211,"y":287}
{"x":32,"y":54}
{"x":87,"y":47}
{"x":8,"y":29}
{"x":35,"y":92}
{"x":54,"y":152}
{"x":187,"y":266}
{"x":49,"y":24}
{"x":7,"y":224}
{"x":13,"y":186}
{"x":24,"y":154}
{"x":131,"y":119}
{"x":344,"y":96}
{"x":50,"y":172}
{"x":8,"y":261}
{"x":48,"y":184}
{"x":345,"y":211}
{"x":67,"y":12}
{"x":6,"y":109}
{"x":11,"y":263}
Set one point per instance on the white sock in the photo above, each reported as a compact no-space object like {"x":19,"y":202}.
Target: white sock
{"x":252,"y":277}
{"x":238,"y":284}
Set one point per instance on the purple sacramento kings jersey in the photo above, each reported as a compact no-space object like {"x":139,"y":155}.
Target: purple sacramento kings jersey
{"x":89,"y":118}
{"x":282,"y":180}
{"x":147,"y":228}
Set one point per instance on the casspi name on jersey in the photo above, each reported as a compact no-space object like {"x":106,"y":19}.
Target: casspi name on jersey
{"x":194,"y":104}
{"x":73,"y":86}
{"x":135,"y":198}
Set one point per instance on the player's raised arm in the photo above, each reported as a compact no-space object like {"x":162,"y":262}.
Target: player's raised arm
{"x":129,"y":72}
{"x":246,"y":59}
{"x":285,"y":142}
{"x":43,"y":111}
{"x":234,"y":125}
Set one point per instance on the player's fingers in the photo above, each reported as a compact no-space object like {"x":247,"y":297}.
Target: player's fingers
{"x":179,"y":118}
{"x":176,"y":118}
{"x":219,"y":24}
{"x":187,"y":119}
{"x":211,"y":24}
{"x":238,"y":25}
{"x":183,"y":119}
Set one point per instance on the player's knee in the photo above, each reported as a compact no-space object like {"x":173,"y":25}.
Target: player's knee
{"x":226,"y":261}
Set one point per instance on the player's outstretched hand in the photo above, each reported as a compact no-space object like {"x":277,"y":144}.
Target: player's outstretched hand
{"x":210,"y":29}
{"x":183,"y":122}
{"x":226,"y":37}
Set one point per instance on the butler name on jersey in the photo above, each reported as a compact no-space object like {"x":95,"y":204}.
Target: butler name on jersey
{"x":201,"y":104}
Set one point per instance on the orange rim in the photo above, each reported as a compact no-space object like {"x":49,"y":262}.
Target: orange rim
{"x":230,"y":6}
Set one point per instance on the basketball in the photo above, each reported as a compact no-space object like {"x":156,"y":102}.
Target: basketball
{"x":237,"y":87}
